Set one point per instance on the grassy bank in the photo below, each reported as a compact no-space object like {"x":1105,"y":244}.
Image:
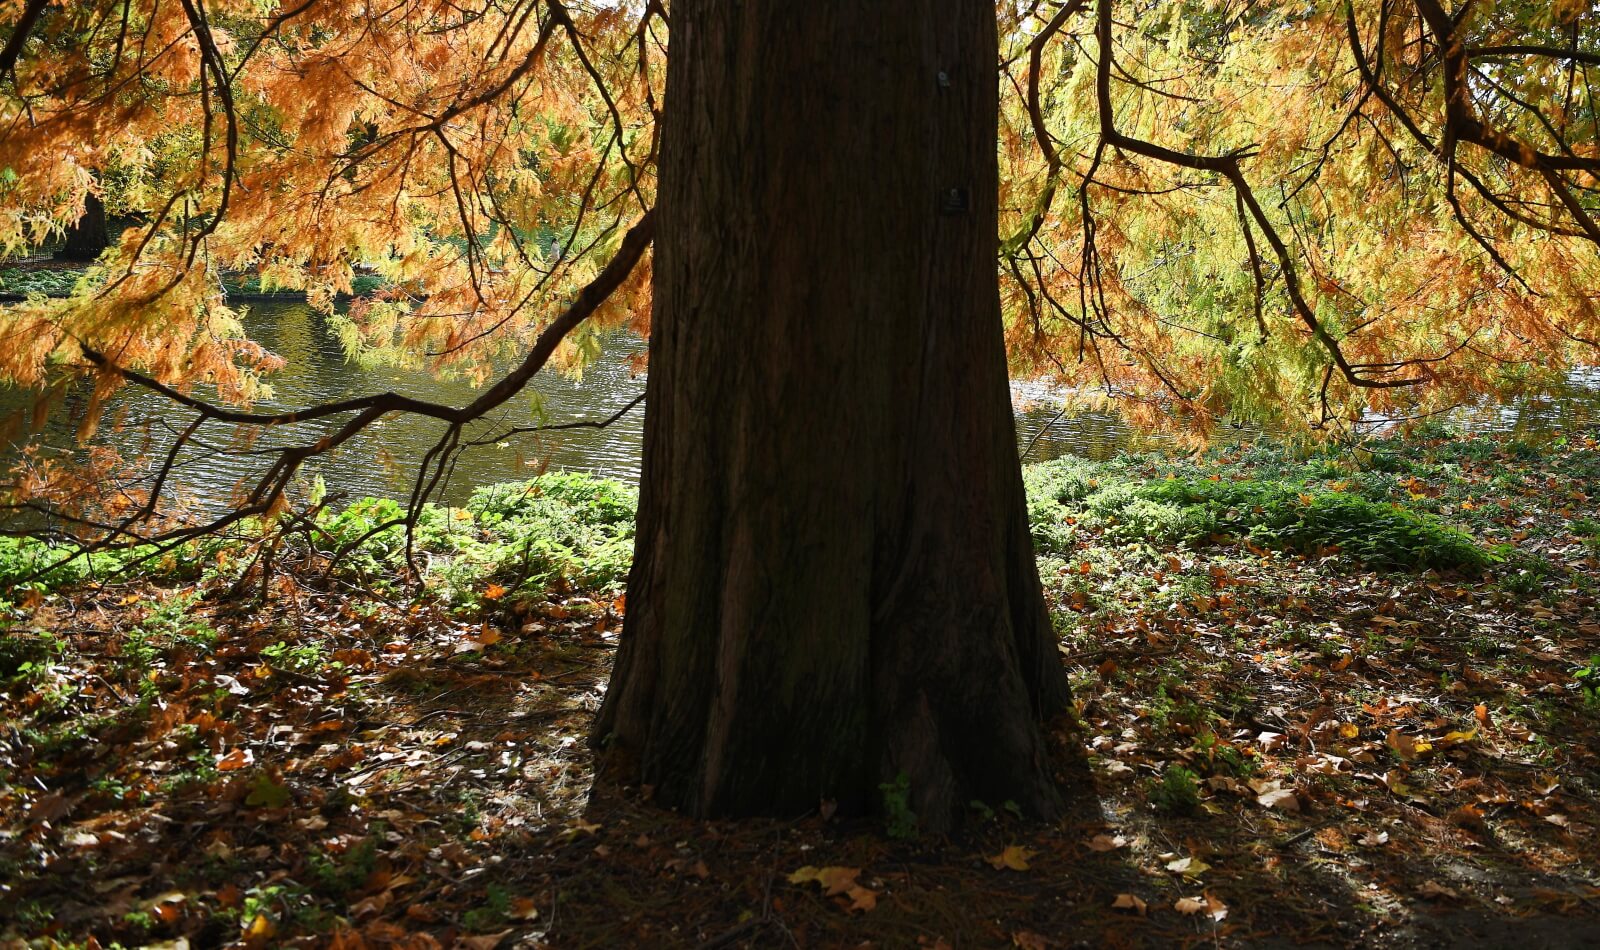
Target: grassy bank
{"x":1347,"y":698}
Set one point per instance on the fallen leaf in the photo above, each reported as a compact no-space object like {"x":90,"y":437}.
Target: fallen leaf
{"x":1409,"y":749}
{"x":168,"y":907}
{"x":261,"y":927}
{"x":1014,"y":857}
{"x":266,"y":793}
{"x":1188,"y":867}
{"x":1129,"y":902}
{"x":1272,"y":795}
{"x":1206,"y":903}
{"x":48,"y":807}
{"x":1107,"y":842}
{"x":1189,"y":905}
{"x":834,"y":880}
{"x":861,"y":898}
{"x":1395,"y":782}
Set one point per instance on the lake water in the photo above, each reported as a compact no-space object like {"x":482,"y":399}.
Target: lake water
{"x":382,"y":461}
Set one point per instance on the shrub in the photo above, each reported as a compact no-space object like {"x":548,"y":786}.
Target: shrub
{"x":1178,"y":791}
{"x":1128,"y":505}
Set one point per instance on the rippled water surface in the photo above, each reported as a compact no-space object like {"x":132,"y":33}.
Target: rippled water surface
{"x":383,"y":460}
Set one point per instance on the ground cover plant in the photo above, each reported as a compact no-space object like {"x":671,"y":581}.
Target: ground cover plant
{"x":1346,"y":697}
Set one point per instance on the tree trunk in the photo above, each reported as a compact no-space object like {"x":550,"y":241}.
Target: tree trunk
{"x":89,"y":236}
{"x":833,"y":583}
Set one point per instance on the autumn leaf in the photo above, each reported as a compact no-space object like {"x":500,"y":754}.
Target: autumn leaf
{"x":1206,"y":904}
{"x":836,"y":881}
{"x":1189,"y":905}
{"x":260,"y":927}
{"x":1129,"y":902}
{"x":1188,"y":867}
{"x":1274,"y":795}
{"x":1409,"y":749}
{"x":1014,"y":857}
{"x":1107,"y":842}
{"x":266,"y":793}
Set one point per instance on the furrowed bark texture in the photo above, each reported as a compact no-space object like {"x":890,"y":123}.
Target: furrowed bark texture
{"x":833,"y":581}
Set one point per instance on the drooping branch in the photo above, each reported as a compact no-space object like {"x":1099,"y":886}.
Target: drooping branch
{"x":1228,"y":167}
{"x":269,"y":491}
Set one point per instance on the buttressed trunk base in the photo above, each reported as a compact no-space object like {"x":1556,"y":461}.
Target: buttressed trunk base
{"x":834,"y":581}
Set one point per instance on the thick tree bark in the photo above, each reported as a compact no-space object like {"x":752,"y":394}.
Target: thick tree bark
{"x":89,"y":236}
{"x":833,"y":581}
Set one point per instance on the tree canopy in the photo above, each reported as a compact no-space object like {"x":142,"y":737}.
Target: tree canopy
{"x":1211,"y":210}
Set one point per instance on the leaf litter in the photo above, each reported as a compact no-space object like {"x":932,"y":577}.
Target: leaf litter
{"x":1374,"y":757}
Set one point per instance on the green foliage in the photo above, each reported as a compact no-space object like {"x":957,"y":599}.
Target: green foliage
{"x":1278,"y":504}
{"x":24,"y":655}
{"x":306,"y":659}
{"x":345,"y":872}
{"x":33,"y":565}
{"x":900,"y":822}
{"x":561,"y":529}
{"x":1377,"y":533}
{"x":1178,"y":791}
{"x":43,"y":281}
{"x":251,"y":285}
{"x":171,"y":625}
{"x":368,"y":538}
{"x":1522,"y":575}
{"x":496,"y":910}
{"x":1588,"y":679}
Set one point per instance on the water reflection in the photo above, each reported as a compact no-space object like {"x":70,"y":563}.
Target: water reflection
{"x":383,"y":460}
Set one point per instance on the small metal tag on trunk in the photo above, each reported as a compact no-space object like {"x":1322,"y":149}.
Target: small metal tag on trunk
{"x":953,"y":201}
